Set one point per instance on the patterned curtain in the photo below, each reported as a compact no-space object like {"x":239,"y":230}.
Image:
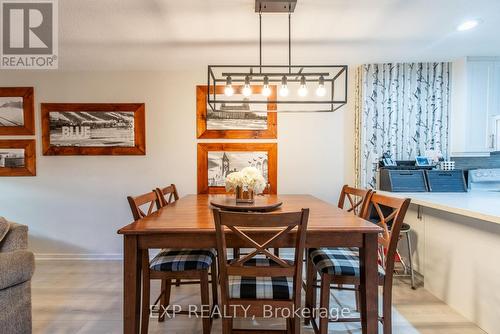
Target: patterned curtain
{"x":402,"y":109}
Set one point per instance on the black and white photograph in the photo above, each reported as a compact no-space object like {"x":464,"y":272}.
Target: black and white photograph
{"x":236,"y":117}
{"x":11,"y":111}
{"x":12,"y":158}
{"x":221,"y":164}
{"x":92,"y":129}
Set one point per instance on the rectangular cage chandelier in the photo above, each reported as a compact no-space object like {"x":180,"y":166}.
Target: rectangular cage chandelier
{"x":276,"y":88}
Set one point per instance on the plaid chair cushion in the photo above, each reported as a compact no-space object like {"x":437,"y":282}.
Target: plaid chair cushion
{"x":183,"y":259}
{"x":275,"y":288}
{"x":338,"y":261}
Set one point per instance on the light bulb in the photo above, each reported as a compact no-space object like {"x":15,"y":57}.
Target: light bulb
{"x":229,"y":90}
{"x":284,"y":87}
{"x":321,"y":91}
{"x":283,"y":91}
{"x":266,"y":90}
{"x":303,"y":89}
{"x":247,"y":90}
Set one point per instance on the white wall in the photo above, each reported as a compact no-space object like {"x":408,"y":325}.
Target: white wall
{"x":76,"y":204}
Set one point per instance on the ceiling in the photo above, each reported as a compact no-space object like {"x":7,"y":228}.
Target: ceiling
{"x":167,"y":34}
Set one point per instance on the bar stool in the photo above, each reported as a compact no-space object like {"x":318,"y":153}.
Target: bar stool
{"x":405,"y":230}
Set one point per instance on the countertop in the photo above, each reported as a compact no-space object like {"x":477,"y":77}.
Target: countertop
{"x":484,"y":205}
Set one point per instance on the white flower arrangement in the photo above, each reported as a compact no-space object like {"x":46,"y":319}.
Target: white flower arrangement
{"x":249,"y":178}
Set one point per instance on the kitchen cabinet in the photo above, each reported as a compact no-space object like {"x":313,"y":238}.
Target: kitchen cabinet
{"x":475,"y":105}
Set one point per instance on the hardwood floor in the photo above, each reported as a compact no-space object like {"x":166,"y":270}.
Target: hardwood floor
{"x":86,"y":297}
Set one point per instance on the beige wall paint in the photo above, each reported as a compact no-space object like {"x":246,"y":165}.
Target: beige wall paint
{"x":76,"y":204}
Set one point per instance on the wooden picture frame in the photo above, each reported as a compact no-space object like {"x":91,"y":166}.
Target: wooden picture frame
{"x":201,"y":117}
{"x":27,"y":125}
{"x":271,"y":150}
{"x":105,"y":112}
{"x":29,"y":157}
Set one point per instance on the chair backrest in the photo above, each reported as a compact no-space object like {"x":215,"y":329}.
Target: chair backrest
{"x":390,"y":212}
{"x":148,"y":200}
{"x":241,"y":226}
{"x":167,"y":195}
{"x":357,"y":199}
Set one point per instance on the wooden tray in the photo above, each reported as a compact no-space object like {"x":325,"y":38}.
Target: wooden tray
{"x":261,"y":204}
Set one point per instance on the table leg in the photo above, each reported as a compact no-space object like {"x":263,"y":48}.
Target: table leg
{"x":369,"y":284}
{"x":131,"y":285}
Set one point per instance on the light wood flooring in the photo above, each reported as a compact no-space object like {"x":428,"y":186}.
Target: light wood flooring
{"x":86,"y":297}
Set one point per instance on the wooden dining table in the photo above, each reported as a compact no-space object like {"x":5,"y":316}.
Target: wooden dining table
{"x":188,"y":223}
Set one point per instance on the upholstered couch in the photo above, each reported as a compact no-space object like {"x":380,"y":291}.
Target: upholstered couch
{"x":17,"y":265}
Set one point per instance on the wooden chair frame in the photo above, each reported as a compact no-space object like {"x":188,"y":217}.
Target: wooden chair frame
{"x":349,"y":193}
{"x":136,"y":202}
{"x":167,"y":195}
{"x":241,"y":225}
{"x":388,"y":240}
{"x":357,"y":199}
{"x":156,"y":199}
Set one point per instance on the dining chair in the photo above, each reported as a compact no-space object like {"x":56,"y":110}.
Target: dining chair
{"x":260,"y":277}
{"x":173,"y":264}
{"x":405,"y":232}
{"x":148,"y":201}
{"x":351,"y":200}
{"x":356,"y":199}
{"x":167,"y":195}
{"x":341,"y":265}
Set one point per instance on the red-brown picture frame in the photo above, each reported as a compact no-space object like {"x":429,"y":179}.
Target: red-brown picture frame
{"x":201,"y":117}
{"x":28,"y":128}
{"x":139,"y":128}
{"x":204,"y":148}
{"x":29,"y":146}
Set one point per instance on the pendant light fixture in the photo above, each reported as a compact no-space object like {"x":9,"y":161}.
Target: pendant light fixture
{"x":255,"y":82}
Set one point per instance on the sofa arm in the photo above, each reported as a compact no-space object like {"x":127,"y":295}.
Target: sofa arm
{"x":17,"y":267}
{"x":16,"y":238}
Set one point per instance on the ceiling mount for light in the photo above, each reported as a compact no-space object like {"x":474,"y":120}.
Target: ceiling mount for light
{"x":302,"y":88}
{"x":275,"y":6}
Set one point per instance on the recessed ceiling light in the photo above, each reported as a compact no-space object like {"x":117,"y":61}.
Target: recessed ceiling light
{"x":468,"y":25}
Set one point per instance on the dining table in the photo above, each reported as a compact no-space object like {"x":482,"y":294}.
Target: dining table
{"x":188,"y":223}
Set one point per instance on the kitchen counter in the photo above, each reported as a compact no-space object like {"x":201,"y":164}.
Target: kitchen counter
{"x":456,"y":241}
{"x":484,"y":205}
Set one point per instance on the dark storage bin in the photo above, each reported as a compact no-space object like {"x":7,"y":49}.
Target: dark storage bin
{"x":403,"y":180}
{"x":446,"y":180}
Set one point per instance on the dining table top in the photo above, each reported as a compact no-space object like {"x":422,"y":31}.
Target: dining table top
{"x":193,"y":213}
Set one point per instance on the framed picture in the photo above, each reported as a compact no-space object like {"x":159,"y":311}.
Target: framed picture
{"x":17,"y":111}
{"x":217,"y":160}
{"x":232,"y":123}
{"x":93,"y":129}
{"x":17,"y":158}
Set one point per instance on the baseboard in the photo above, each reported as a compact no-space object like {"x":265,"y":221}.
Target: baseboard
{"x":78,"y":257}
